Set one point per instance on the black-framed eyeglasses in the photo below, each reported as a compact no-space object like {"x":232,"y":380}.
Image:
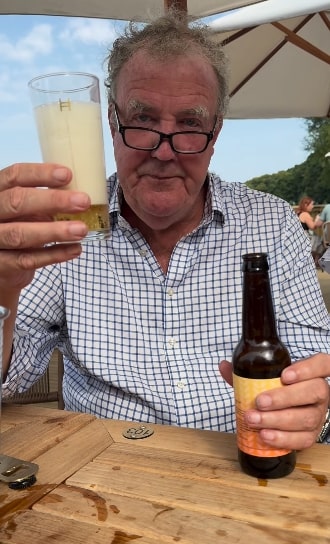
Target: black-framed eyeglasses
{"x":147,"y":139}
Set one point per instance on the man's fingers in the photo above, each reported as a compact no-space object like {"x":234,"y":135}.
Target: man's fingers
{"x":34,"y":235}
{"x":34,"y":175}
{"x":17,"y":267}
{"x":19,"y":202}
{"x":30,"y":196}
{"x":313,"y":392}
{"x":226,"y":371}
{"x":288,"y":439}
{"x":302,"y":418}
{"x":314,"y":367}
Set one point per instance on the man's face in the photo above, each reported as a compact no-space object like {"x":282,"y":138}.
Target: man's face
{"x":163,"y":187}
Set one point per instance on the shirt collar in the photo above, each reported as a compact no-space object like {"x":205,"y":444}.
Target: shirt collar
{"x":116,"y":195}
{"x":213,"y":205}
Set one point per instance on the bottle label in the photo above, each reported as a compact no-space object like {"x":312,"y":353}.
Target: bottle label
{"x":248,"y":440}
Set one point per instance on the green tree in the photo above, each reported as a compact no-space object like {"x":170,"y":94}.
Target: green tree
{"x":317,"y":139}
{"x":312,"y":177}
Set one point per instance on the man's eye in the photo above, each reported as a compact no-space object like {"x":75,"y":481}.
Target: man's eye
{"x":192,"y":123}
{"x":142,"y":118}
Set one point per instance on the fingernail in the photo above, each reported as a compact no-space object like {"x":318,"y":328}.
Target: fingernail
{"x":80,"y":201}
{"x":253,"y":417}
{"x":264,"y":401}
{"x":61,"y":174}
{"x":289,"y":375}
{"x":268,"y":435}
{"x":77,"y":229}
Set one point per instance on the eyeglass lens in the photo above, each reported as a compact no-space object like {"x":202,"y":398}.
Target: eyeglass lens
{"x":148,"y":139}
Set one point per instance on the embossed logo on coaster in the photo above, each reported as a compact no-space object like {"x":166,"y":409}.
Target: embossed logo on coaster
{"x":136,"y":433}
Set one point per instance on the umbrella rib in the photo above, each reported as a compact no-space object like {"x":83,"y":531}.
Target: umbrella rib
{"x":240,"y":33}
{"x":325,"y":19}
{"x":257,"y":68}
{"x":237,"y":35}
{"x":303,"y":44}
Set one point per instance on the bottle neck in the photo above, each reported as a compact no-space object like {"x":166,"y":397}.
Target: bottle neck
{"x":258,"y":314}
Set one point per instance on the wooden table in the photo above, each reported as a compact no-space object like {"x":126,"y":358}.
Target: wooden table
{"x":177,"y":486}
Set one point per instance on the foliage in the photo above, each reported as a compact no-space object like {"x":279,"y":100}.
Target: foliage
{"x":312,"y":177}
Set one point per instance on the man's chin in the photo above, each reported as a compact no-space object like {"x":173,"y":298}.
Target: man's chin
{"x":159,"y":218}
{"x":160,"y":206}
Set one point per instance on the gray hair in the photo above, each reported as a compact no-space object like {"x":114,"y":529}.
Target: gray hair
{"x":168,"y":37}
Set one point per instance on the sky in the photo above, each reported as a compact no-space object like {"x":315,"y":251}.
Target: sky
{"x":35,"y":45}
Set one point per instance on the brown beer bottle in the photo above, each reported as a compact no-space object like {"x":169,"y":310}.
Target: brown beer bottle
{"x":258,"y":361}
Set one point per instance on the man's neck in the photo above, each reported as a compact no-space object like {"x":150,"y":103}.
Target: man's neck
{"x":163,"y":241}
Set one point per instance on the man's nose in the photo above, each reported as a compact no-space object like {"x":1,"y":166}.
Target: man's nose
{"x":164,"y":152}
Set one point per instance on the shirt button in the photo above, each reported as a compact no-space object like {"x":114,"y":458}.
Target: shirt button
{"x":143,"y":252}
{"x":172,"y":342}
{"x":170,"y":292}
{"x":181,"y":385}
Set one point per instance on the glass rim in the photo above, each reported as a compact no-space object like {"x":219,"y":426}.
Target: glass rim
{"x":93,"y":77}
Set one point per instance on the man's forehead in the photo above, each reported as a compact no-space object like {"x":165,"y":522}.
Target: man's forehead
{"x":188,"y":84}
{"x":188,"y":76}
{"x":142,"y":62}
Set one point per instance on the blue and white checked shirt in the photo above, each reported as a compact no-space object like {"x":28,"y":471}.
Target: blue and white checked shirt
{"x":142,"y":345}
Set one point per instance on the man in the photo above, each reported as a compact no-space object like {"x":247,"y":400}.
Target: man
{"x":324,"y":215}
{"x":144,"y":318}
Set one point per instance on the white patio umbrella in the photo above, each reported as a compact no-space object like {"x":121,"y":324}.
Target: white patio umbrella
{"x":279,"y":54}
{"x":117,"y":9}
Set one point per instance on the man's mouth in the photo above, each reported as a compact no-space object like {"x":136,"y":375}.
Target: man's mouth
{"x":161,"y":176}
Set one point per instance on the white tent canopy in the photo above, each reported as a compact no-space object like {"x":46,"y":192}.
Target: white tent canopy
{"x":279,"y":53}
{"x":267,"y":12}
{"x":115,"y":9}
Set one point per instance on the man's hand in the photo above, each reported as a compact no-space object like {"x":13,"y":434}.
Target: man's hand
{"x":291,"y":417}
{"x":27,"y":225}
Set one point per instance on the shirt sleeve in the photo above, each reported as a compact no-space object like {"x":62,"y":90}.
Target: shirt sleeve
{"x":39,"y":325}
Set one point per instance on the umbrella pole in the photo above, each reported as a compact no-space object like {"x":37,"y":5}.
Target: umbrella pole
{"x":181,"y":5}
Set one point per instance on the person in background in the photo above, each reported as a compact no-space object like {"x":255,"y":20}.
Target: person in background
{"x":305,"y":207}
{"x":144,"y":319}
{"x":324,"y":260}
{"x":324,"y":216}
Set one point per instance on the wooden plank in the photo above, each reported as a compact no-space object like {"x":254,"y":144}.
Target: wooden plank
{"x":176,"y":439}
{"x":14,"y":415}
{"x":17,"y":412}
{"x":249,"y":504}
{"x":32,"y":528}
{"x":301,"y":483}
{"x":72,"y":453}
{"x":220,"y":445}
{"x":29,"y":439}
{"x":58,"y":460}
{"x":158,"y":521}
